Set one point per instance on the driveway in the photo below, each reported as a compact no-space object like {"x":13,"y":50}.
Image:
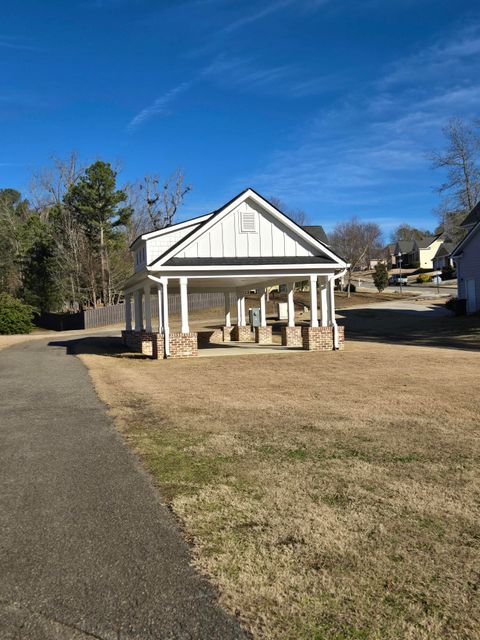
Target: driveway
{"x":87,"y":550}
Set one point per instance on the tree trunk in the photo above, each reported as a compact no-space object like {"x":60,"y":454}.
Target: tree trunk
{"x":103,"y":267}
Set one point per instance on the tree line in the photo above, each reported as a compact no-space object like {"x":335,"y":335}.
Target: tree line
{"x":66,"y":245}
{"x":459,"y":161}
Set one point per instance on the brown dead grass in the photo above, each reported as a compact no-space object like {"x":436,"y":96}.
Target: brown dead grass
{"x":327,"y":495}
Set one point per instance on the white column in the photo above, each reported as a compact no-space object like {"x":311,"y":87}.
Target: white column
{"x":324,"y":302}
{"x":138,"y":310}
{"x":242,"y":311}
{"x":263,"y":309}
{"x":166,"y":328}
{"x":148,"y":308}
{"x":313,"y":301}
{"x":184,"y":305}
{"x":160,"y":309}
{"x":239,"y":310}
{"x":290,"y":305}
{"x":331,"y":301}
{"x":128,"y":311}
{"x":228,"y":317}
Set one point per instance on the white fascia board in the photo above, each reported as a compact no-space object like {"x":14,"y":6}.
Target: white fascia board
{"x":300,"y":274}
{"x":268,"y":207}
{"x":253,"y":267}
{"x":174,"y":227}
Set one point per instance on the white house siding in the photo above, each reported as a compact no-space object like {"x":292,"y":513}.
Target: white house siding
{"x":468,"y":268}
{"x":426,"y":255}
{"x":159,"y":244}
{"x":226,"y":239}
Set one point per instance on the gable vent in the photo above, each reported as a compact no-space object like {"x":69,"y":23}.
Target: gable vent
{"x":248,"y":222}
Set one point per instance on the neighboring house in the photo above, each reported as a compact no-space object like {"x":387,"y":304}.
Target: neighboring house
{"x":404,"y":252}
{"x":425,"y":249}
{"x":472,"y":218}
{"x":420,"y":252}
{"x":467,"y":259}
{"x":318,"y":233}
{"x":443,"y":256}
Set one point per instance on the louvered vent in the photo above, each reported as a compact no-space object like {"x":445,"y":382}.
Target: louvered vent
{"x":248,"y":222}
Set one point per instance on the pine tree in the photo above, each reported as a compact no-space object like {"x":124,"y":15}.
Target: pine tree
{"x":96,"y":203}
{"x":380,"y":277}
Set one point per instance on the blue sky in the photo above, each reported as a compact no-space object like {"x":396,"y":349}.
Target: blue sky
{"x":331,"y":105}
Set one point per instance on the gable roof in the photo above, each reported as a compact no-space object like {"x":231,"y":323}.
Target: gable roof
{"x":405,"y":246}
{"x":212,"y":218}
{"x":317,"y":231}
{"x":172,"y":227}
{"x":426,"y":241}
{"x":445,"y":249}
{"x":473,"y":231}
{"x":473,"y":217}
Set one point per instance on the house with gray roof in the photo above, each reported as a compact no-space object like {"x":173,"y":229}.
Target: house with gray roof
{"x":466,"y":257}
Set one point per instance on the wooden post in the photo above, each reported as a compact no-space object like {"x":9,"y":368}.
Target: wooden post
{"x":148,"y":308}
{"x":313,"y":301}
{"x":228,"y":318}
{"x":128,"y":311}
{"x":290,"y":305}
{"x":184,"y":305}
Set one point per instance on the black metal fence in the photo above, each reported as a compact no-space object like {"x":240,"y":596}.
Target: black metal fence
{"x":115,"y":314}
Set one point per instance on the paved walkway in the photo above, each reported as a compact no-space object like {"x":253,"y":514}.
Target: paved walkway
{"x":86,"y":548}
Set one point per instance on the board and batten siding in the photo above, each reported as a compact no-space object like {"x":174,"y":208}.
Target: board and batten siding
{"x":468,"y":268}
{"x":149,"y":250}
{"x":227,"y":238}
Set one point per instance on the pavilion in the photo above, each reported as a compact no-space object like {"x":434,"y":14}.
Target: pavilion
{"x":245,"y":244}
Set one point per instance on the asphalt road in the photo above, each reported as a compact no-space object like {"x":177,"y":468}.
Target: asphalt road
{"x":86,"y":548}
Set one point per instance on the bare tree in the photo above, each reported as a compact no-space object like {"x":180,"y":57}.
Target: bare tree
{"x":49,"y":185}
{"x":297,"y":215}
{"x":460,"y":161}
{"x":158,"y":202}
{"x":357,"y":242}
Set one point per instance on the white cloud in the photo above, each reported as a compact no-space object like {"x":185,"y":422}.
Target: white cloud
{"x":375,"y":142}
{"x":159,"y":106}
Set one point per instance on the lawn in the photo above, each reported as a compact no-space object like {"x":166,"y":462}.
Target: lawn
{"x":328,"y":496}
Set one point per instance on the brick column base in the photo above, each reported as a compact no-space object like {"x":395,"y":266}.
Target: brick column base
{"x":150,"y":344}
{"x":214,"y":336}
{"x":263,"y":335}
{"x":242,"y":334}
{"x":317,"y":338}
{"x":292,"y":337}
{"x":183,"y":345}
{"x":341,"y":337}
{"x":227,"y":333}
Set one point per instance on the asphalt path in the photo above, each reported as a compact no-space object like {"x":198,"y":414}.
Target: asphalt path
{"x":87,"y":549}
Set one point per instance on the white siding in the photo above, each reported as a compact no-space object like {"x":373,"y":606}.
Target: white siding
{"x":468,"y":268}
{"x":158,"y":245}
{"x":225,"y":239}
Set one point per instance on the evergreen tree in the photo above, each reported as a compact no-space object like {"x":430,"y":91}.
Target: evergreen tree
{"x":380,"y":277}
{"x":96,"y":204}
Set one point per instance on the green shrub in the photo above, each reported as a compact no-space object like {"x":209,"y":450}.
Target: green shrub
{"x":15,"y":316}
{"x":380,"y":276}
{"x":423,"y":277}
{"x":448,"y":273}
